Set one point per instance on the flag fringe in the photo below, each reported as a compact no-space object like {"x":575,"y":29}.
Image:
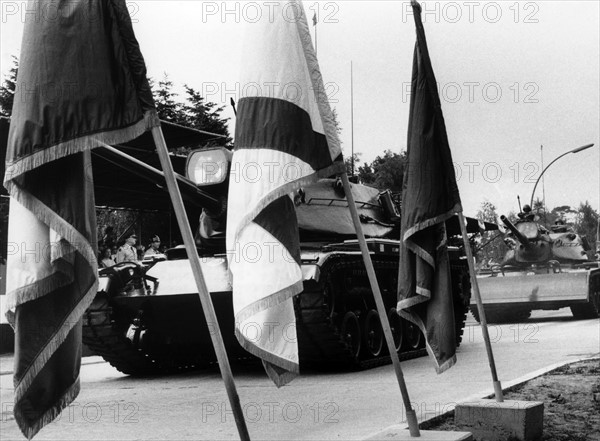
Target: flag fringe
{"x":78,"y":242}
{"x":31,"y":429}
{"x":318,"y":87}
{"x":34,"y":291}
{"x":280,"y":376}
{"x":414,"y":318}
{"x":426,"y":224}
{"x":268,"y":357}
{"x":78,"y":145}
{"x":433,"y":221}
{"x":269,"y":302}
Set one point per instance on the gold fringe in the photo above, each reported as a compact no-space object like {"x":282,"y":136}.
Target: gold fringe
{"x":316,"y":78}
{"x":439,"y":368}
{"x":29,"y":430}
{"x":78,"y":145}
{"x":79,"y":243}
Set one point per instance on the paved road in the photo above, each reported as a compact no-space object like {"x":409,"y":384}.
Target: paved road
{"x":315,"y":405}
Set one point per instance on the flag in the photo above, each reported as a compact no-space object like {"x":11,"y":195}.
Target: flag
{"x":284,"y":139}
{"x":81,"y":84}
{"x":314,"y":19}
{"x":429,"y":197}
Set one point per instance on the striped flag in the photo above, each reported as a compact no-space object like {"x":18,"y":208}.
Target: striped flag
{"x":284,"y":139}
{"x":429,"y":197}
{"x":81,"y":84}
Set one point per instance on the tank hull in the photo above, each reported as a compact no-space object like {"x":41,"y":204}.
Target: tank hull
{"x":511,"y":296}
{"x":336,"y":321}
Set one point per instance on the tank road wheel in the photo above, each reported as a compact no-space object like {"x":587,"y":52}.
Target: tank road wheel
{"x":396,"y":328}
{"x":413,"y":335}
{"x":373,"y":333}
{"x":350,"y":331}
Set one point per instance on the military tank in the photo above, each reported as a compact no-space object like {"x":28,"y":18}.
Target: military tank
{"x":147,"y":319}
{"x":545,"y":269}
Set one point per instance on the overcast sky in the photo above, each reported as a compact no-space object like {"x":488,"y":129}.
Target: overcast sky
{"x":513,"y":76}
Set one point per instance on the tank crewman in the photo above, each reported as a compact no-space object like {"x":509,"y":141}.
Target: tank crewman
{"x":127,"y":252}
{"x":154,"y":247}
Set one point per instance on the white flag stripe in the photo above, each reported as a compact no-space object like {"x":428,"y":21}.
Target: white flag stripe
{"x":265,"y":175}
{"x":289,"y":80}
{"x":258,"y":259}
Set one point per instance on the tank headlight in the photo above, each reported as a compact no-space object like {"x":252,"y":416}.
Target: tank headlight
{"x":208,"y":166}
{"x":528,"y":229}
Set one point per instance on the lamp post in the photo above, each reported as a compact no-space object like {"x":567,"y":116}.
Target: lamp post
{"x":577,"y":150}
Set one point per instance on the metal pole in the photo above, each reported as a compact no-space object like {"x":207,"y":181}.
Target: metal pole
{"x":352,"y":118}
{"x":411,"y":415}
{"x":577,"y":150}
{"x":482,"y":319}
{"x":543,"y":186}
{"x":207,"y":306}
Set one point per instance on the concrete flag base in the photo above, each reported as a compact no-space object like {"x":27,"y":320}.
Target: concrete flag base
{"x":491,"y":420}
{"x":400,"y":433}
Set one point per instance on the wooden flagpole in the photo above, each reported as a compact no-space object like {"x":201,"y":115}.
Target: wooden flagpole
{"x":411,"y":416}
{"x":482,"y":319}
{"x":207,"y":306}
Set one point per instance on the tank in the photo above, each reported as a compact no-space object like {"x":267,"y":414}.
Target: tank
{"x":545,"y":269}
{"x":147,"y":318}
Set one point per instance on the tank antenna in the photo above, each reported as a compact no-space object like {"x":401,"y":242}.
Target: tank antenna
{"x":519,"y":201}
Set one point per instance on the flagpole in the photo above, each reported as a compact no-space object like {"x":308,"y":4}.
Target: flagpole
{"x":315,"y":26}
{"x":207,"y":306}
{"x":411,"y":416}
{"x":482,"y":319}
{"x":352,"y":117}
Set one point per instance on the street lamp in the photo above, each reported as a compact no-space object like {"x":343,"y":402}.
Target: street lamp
{"x":577,"y":150}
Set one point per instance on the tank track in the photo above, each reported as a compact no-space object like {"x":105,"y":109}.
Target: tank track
{"x":321,"y":309}
{"x":121,"y":343}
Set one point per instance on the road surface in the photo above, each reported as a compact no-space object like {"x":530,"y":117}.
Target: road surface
{"x":314,"y":406}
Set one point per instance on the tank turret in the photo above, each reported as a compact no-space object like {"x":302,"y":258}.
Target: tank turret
{"x":531,"y":243}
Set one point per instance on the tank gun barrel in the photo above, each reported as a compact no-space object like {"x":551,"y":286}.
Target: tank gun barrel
{"x":522,"y":239}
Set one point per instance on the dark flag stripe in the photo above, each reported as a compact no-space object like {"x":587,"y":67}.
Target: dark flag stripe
{"x":280,"y":125}
{"x":279,"y":219}
{"x":82,"y":84}
{"x":429,"y":197}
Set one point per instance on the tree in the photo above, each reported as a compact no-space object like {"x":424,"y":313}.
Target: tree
{"x":164,"y":98}
{"x":7,"y":90}
{"x":206,"y":116}
{"x":336,"y":123}
{"x":493,"y":248}
{"x":388,"y":171}
{"x":587,"y":222}
{"x":348,"y":160}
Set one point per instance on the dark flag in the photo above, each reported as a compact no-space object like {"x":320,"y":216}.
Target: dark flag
{"x":285,"y":138}
{"x":429,"y":197}
{"x":81,"y":84}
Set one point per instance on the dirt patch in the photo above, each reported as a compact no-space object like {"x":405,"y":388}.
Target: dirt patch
{"x":571,"y":397}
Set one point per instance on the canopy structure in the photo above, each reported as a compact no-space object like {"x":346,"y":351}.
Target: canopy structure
{"x":123,"y":183}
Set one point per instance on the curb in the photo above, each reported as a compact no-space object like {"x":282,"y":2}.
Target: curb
{"x":489,"y":393}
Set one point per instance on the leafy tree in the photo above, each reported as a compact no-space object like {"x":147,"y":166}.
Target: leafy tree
{"x":389,"y":170}
{"x":349,"y":164}
{"x":336,"y":123}
{"x":492,"y":249}
{"x":366,"y":174}
{"x":7,"y":90}
{"x":587,"y":222}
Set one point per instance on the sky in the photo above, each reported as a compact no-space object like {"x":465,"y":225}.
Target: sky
{"x":512,"y":76}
